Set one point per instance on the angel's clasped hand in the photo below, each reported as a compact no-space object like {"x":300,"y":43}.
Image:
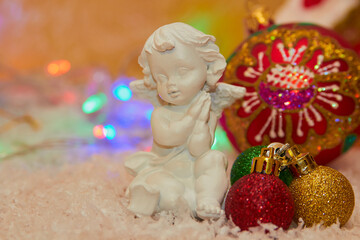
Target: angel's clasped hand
{"x":197,"y":106}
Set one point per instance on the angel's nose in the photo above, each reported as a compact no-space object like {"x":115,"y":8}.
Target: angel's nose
{"x":171,"y":82}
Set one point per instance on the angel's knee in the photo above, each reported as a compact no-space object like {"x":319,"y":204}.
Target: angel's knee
{"x":212,"y":160}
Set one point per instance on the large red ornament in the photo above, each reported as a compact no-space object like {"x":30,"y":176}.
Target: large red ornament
{"x":302,"y":84}
{"x":260,"y":197}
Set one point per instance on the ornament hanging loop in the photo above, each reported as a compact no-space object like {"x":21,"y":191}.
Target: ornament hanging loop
{"x":280,"y":153}
{"x":266,"y":163}
{"x":300,"y":163}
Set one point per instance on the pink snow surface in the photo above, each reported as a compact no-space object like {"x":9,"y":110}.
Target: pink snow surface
{"x":86,"y":201}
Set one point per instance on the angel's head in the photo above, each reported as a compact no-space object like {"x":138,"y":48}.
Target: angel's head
{"x":179,"y":61}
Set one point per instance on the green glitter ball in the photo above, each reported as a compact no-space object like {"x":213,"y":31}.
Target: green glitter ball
{"x":242,"y":166}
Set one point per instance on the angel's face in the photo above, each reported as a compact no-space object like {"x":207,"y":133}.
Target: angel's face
{"x":180,"y":73}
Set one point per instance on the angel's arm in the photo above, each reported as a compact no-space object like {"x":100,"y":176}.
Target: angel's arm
{"x":169,"y":132}
{"x":203,"y":135}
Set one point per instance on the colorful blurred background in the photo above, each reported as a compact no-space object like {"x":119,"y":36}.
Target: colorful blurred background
{"x":106,"y":33}
{"x":76,"y":58}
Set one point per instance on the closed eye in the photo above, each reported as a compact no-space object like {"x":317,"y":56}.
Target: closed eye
{"x":183,"y":70}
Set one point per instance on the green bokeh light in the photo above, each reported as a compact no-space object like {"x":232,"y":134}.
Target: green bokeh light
{"x":221,"y":141}
{"x":94,"y":103}
{"x":202,"y":22}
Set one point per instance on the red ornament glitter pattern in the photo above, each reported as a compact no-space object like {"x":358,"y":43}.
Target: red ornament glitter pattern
{"x":301,"y":86}
{"x":259,"y":198}
{"x":294,"y":90}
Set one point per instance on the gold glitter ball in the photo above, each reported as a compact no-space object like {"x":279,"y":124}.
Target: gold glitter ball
{"x":322,"y":196}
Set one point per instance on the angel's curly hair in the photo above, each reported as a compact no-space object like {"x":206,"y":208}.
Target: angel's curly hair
{"x":163,"y":40}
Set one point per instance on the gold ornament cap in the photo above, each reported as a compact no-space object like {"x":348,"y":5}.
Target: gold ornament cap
{"x":266,"y":163}
{"x":299,"y":163}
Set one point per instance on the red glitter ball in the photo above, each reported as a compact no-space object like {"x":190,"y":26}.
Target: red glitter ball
{"x":260,"y":198}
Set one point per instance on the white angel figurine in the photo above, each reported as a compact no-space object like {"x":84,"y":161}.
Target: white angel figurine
{"x":181,"y":67}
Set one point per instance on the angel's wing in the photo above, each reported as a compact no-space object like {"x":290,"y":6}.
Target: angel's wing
{"x":224,"y":96}
{"x":142,"y":91}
